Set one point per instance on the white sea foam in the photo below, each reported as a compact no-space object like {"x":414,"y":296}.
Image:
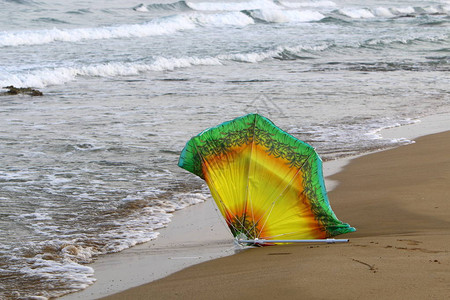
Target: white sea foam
{"x":16,"y":175}
{"x":231,"y":6}
{"x":431,"y":9}
{"x":249,"y":57}
{"x":375,"y":132}
{"x":357,"y":13}
{"x":183,"y":200}
{"x":364,"y":135}
{"x":390,"y":12}
{"x":223,"y":19}
{"x":406,"y":40}
{"x":403,"y":10}
{"x":255,"y":57}
{"x":53,"y":180}
{"x":284,"y":16}
{"x":141,"y":8}
{"x":323,"y":3}
{"x":383,"y":12}
{"x":59,"y":260}
{"x":142,"y":227}
{"x":37,"y":216}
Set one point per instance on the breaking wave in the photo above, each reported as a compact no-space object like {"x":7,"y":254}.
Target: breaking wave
{"x":161,"y":26}
{"x":239,"y":15}
{"x":355,"y":13}
{"x":56,"y":76}
{"x":392,"y":12}
{"x":282,"y":53}
{"x":62,"y":75}
{"x":407,"y":40}
{"x":324,"y":3}
{"x":234,"y":6}
{"x":175,"y":6}
{"x":284,"y":16}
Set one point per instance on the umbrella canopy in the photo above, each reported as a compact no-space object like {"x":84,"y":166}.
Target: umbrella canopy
{"x":266,"y":183}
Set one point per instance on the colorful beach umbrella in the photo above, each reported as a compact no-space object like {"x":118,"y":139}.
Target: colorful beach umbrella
{"x":267,"y":184}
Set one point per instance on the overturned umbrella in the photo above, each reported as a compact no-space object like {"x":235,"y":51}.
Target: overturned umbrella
{"x":267,"y":184}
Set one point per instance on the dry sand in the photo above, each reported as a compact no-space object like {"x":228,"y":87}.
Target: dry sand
{"x":399,"y":201}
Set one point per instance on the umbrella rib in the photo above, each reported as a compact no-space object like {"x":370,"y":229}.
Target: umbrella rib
{"x":248,"y":197}
{"x":278,"y":235}
{"x":220,"y":198}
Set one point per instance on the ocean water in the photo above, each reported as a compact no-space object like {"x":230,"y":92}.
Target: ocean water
{"x":90,"y":168}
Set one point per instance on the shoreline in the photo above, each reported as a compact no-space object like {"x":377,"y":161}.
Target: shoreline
{"x":185,"y":242}
{"x":174,"y":249}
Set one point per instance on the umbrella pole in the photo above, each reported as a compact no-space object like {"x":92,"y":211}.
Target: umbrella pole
{"x":261,"y":241}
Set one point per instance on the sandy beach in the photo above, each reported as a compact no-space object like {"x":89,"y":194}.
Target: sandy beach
{"x":399,"y":202}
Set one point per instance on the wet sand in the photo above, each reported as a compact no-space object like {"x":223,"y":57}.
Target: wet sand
{"x":399,"y":201}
